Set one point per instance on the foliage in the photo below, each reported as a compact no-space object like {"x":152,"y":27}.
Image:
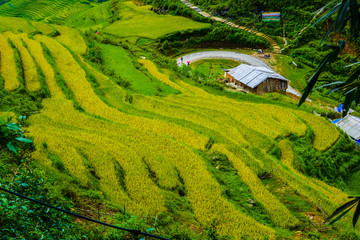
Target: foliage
{"x":20,"y":218}
{"x":176,"y":8}
{"x":23,"y":219}
{"x":348,"y":11}
{"x":20,"y":102}
{"x":295,"y":14}
{"x":13,"y":138}
{"x":334,"y":165}
{"x":344,"y":209}
{"x":218,"y":33}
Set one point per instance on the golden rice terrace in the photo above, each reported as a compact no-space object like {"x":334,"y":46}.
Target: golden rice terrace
{"x":201,"y":158}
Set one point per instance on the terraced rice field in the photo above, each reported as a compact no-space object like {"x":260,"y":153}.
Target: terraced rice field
{"x":118,"y":60}
{"x":136,"y":22}
{"x":8,"y":66}
{"x":138,"y":160}
{"x":37,"y":9}
{"x":15,"y":24}
{"x":147,"y":152}
{"x":96,"y":17}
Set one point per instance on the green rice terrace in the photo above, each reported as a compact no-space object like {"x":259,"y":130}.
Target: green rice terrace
{"x":124,"y":135}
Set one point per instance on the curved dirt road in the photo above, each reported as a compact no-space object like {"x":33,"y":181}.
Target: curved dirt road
{"x":192,"y":57}
{"x":222,"y":55}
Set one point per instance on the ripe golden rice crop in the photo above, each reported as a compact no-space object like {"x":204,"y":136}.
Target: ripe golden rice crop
{"x":71,"y":159}
{"x":191,"y":89}
{"x":255,"y":116}
{"x":303,"y":185}
{"x":287,"y":157}
{"x":76,"y":80}
{"x":30,"y":72}
{"x":14,"y":24}
{"x":326,"y":134}
{"x":201,"y":116}
{"x":153,"y":70}
{"x":8,"y":65}
{"x":287,"y":154}
{"x":277,"y":212}
{"x":137,"y":182}
{"x":71,"y":38}
{"x":205,"y":195}
{"x":202,"y":190}
{"x":36,"y":51}
{"x":44,"y":28}
{"x":135,"y":161}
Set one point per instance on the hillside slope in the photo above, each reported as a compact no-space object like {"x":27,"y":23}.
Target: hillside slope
{"x":202,"y":159}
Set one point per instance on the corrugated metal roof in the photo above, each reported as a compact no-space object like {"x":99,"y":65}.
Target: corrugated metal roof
{"x":351,"y":125}
{"x":253,"y":76}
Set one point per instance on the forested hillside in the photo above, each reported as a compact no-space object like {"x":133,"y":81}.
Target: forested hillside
{"x":124,"y":135}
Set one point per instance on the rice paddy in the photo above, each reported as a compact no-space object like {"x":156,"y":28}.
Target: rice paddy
{"x":28,"y":65}
{"x":160,"y":154}
{"x":138,"y":146}
{"x":71,"y":38}
{"x":136,"y":22}
{"x":324,"y":131}
{"x":8,"y":65}
{"x":37,"y":9}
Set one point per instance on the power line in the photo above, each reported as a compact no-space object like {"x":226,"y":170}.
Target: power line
{"x":133,"y":231}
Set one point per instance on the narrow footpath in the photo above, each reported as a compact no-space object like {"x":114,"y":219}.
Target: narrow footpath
{"x":205,"y":14}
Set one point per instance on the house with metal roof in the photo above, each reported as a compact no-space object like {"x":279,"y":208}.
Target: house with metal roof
{"x":351,"y":125}
{"x":257,"y":79}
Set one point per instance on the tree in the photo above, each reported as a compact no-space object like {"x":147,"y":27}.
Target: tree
{"x":20,"y":219}
{"x":347,"y":13}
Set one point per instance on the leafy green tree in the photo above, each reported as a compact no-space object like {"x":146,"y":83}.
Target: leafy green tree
{"x":21,"y":219}
{"x":347,"y":14}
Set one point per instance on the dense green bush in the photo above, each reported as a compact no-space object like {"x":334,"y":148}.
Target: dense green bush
{"x":19,"y":218}
{"x":333,"y":166}
{"x":20,"y":102}
{"x":177,"y":8}
{"x":217,"y":33}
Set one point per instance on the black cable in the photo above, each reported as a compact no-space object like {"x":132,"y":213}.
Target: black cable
{"x":133,"y":231}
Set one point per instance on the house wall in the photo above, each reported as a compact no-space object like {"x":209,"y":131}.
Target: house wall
{"x":269,"y":85}
{"x":272,"y":85}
